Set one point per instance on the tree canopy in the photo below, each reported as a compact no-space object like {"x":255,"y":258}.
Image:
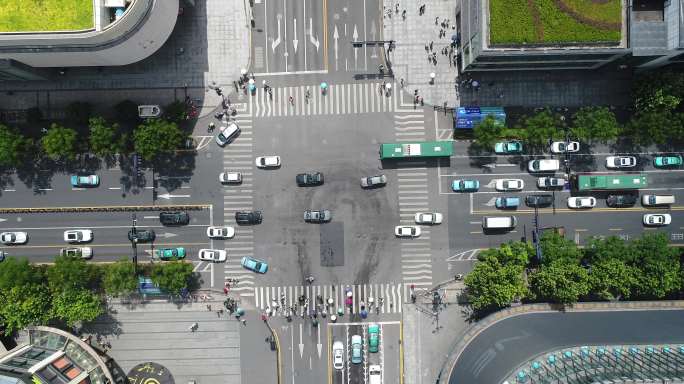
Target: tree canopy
{"x":60,"y":142}
{"x":14,"y":147}
{"x":173,"y":276}
{"x":105,"y":138}
{"x":156,"y":137}
{"x":595,"y":123}
{"x":119,"y":278}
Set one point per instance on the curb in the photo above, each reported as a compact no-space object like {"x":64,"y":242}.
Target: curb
{"x":471,"y":333}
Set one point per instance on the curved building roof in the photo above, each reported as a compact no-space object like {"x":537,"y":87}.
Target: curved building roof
{"x":141,"y":31}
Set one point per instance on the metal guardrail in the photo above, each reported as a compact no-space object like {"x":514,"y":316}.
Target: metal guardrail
{"x":116,"y":208}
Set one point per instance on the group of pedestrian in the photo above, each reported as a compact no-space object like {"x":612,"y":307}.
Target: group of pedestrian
{"x":417,"y":99}
{"x":387,"y":12}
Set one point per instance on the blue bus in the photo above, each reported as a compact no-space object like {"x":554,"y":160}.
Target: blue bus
{"x":469,"y":117}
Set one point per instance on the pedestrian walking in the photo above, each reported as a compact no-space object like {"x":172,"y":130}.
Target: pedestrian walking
{"x":243,"y":321}
{"x":421,"y":101}
{"x":291,"y":100}
{"x":401,"y":82}
{"x":436,"y":20}
{"x":211,"y":127}
{"x":310,"y":279}
{"x":427,"y":47}
{"x":396,"y":8}
{"x":403,"y":14}
{"x":431,"y":45}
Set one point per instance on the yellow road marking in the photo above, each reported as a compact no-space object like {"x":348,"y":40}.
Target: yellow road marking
{"x":38,"y":209}
{"x":581,"y":230}
{"x":330,"y":373}
{"x":615,"y":229}
{"x":476,"y":232}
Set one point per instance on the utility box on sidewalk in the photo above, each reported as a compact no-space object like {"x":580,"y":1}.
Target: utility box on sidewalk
{"x":149,"y":111}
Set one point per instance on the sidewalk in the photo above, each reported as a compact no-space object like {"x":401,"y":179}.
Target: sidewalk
{"x":410,"y":57}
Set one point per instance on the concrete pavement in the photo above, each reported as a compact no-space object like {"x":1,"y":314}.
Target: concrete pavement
{"x":410,"y":58}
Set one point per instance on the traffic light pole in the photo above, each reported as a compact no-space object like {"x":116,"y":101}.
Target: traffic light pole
{"x":374,"y":43}
{"x":134,"y":242}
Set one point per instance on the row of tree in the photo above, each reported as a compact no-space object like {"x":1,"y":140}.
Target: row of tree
{"x":70,"y":291}
{"x":606,"y":269}
{"x":657,"y":117}
{"x":151,"y":138}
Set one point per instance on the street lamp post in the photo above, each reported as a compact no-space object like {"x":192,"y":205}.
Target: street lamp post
{"x":134,"y":242}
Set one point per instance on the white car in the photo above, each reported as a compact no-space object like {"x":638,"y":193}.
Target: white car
{"x":581,"y":202}
{"x":428,"y":218}
{"x":267,"y":161}
{"x":543,"y":165}
{"x":220,"y":232}
{"x":11,"y":238}
{"x":550,"y":182}
{"x":509,"y":185}
{"x":230,"y":177}
{"x":373,"y":181}
{"x":78,"y":236}
{"x":407,"y":231}
{"x":338,"y":355}
{"x":563,"y":147}
{"x":657,"y":219}
{"x":213,"y":255}
{"x":82,"y":252}
{"x":621,"y":161}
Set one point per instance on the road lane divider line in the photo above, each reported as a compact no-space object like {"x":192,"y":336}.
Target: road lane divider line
{"x":127,"y":244}
{"x":108,"y":208}
{"x":565,"y":210}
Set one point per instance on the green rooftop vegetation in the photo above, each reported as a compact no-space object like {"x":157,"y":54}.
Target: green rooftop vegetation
{"x":514,"y":22}
{"x":45,"y":15}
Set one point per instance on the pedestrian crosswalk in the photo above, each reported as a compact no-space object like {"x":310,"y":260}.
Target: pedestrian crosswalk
{"x":387,"y":297}
{"x":339,"y":99}
{"x":238,"y":157}
{"x":412,"y":182}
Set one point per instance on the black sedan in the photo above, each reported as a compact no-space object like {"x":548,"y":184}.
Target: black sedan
{"x":309,"y":179}
{"x":621,"y":201}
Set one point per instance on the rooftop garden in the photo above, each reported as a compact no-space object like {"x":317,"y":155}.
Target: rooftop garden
{"x":539,"y":22}
{"x":45,"y":15}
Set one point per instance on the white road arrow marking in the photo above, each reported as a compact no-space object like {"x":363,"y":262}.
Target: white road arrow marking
{"x":336,"y":36}
{"x":1,"y":220}
{"x":312,"y":39}
{"x":277,"y":41}
{"x":491,"y":201}
{"x":355,"y":37}
{"x":168,"y":196}
{"x":319,"y":345}
{"x":167,"y":235}
{"x":301,"y":342}
{"x":295,"y":42}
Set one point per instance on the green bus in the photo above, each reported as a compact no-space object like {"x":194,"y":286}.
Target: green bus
{"x":594,"y":182}
{"x":413,"y":150}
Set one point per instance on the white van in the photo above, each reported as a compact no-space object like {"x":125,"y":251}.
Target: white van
{"x":499,"y":222}
{"x":651,"y":200}
{"x":543,"y":165}
{"x":374,"y":374}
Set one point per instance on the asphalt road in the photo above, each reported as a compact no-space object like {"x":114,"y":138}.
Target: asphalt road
{"x":509,"y":343}
{"x":110,"y":242}
{"x":315,"y":37}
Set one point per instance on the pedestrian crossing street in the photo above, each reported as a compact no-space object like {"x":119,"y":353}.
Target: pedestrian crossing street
{"x":339,"y":99}
{"x":239,"y":157}
{"x":391,"y":294}
{"x":412,"y":182}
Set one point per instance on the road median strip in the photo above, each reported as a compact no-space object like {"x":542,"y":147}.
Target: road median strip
{"x":112,"y":208}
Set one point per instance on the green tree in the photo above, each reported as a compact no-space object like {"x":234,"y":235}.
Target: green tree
{"x":79,"y":112}
{"x":560,"y":281}
{"x":557,"y":248}
{"x":73,"y":306}
{"x":173,"y":276}
{"x":612,"y":247}
{"x":595,"y":123}
{"x":25,"y":305}
{"x":119,"y":278}
{"x":18,"y":273}
{"x":541,"y":127}
{"x":611,"y":279}
{"x":511,"y":253}
{"x":105,"y":138}
{"x":177,"y":111}
{"x":488,"y":131}
{"x":658,"y":91}
{"x":60,"y":142}
{"x":655,"y":127}
{"x":156,"y":137}
{"x":70,"y":273}
{"x":658,"y":266}
{"x":14,"y":147}
{"x":492,"y":286}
